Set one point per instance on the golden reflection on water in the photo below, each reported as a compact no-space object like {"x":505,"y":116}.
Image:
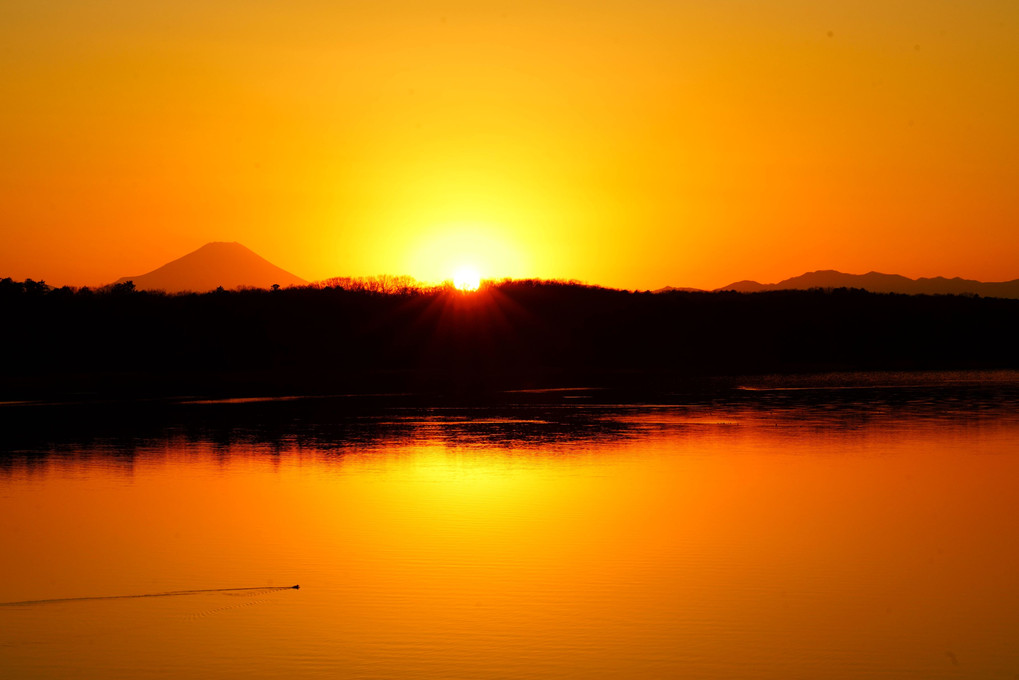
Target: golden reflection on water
{"x":697,"y":545}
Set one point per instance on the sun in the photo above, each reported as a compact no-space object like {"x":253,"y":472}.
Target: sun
{"x":467,"y":279}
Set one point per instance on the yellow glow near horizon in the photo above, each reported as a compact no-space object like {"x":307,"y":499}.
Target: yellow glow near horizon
{"x":467,"y":279}
{"x":466,"y":250}
{"x":624,"y":144}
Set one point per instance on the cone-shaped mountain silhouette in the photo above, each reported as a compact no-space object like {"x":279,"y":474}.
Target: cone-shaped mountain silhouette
{"x":229,"y":265}
{"x":884,"y":283}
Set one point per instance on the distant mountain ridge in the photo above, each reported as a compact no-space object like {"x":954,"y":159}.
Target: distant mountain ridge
{"x":214,"y":265}
{"x":877,"y":282}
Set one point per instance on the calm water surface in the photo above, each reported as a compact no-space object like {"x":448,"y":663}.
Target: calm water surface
{"x":768,"y":533}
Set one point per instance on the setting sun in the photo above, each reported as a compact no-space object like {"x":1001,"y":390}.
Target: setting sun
{"x":468,"y":339}
{"x":467,"y":279}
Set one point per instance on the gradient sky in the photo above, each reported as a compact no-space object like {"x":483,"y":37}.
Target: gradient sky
{"x":624,"y":143}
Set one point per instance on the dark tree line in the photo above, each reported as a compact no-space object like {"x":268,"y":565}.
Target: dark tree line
{"x":514,"y":334}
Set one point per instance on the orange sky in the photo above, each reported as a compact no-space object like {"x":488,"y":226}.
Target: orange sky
{"x":628,"y":144}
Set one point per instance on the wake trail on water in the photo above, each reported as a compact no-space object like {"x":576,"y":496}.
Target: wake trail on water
{"x":170,"y":593}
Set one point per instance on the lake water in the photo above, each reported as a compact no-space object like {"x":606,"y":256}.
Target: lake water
{"x":869,"y":528}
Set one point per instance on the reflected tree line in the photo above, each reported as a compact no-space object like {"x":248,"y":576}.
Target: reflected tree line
{"x":118,"y":434}
{"x":35,"y":436}
{"x":385,"y":333}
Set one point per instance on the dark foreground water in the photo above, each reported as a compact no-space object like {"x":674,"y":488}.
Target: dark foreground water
{"x":869,"y":528}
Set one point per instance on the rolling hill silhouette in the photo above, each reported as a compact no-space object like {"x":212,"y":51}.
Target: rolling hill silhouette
{"x":876,"y":282}
{"x":216,"y":264}
{"x":511,"y":335}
